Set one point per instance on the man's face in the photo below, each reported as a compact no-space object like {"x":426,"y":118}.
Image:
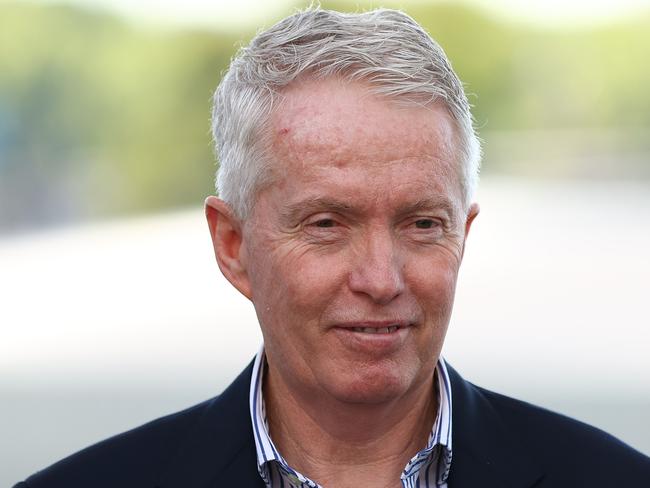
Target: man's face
{"x":351,"y":254}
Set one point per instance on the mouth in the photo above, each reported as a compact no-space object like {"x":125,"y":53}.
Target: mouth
{"x":376,"y":330}
{"x":374,"y":338}
{"x":383,"y":327}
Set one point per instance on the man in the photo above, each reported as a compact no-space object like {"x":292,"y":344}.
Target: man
{"x":348,"y":167}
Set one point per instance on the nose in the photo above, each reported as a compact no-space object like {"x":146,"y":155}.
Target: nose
{"x":377,"y":271}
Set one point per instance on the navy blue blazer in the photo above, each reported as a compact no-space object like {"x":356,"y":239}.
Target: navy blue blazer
{"x":497,"y":442}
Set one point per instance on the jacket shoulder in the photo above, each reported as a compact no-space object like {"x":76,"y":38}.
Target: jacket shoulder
{"x":130,"y":459}
{"x":568,"y":450}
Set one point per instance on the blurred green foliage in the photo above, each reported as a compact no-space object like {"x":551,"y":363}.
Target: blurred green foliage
{"x":101,"y":117}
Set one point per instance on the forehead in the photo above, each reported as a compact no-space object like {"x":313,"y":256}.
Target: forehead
{"x":334,"y":138}
{"x":344,"y":122}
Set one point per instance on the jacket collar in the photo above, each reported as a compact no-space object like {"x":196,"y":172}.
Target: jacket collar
{"x":486,"y":452}
{"x":219,"y":450}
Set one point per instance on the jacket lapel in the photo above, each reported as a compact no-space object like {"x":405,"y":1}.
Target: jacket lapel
{"x":219,"y":450}
{"x":485,"y":452}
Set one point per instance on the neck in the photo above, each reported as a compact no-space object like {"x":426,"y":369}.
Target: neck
{"x":342,"y":444}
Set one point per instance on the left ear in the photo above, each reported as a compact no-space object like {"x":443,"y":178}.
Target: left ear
{"x":227,"y":240}
{"x":472,"y":213}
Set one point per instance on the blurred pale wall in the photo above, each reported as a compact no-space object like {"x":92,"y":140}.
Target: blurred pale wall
{"x":102,"y":118}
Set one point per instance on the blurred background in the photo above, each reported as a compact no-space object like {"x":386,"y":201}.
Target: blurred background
{"x":112,"y":309}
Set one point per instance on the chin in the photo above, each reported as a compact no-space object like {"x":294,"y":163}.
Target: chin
{"x":370,"y":389}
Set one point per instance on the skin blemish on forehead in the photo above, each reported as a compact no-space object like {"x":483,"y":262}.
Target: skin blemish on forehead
{"x":325,"y":126}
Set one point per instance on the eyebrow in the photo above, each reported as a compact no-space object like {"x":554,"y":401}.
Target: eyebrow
{"x":435,"y":203}
{"x":441,"y":203}
{"x":294,"y":211}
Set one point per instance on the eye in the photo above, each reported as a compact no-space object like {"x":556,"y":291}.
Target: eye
{"x":425,"y":224}
{"x":324,"y":228}
{"x":324,"y":223}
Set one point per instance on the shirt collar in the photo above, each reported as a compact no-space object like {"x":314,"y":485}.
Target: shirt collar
{"x":440,"y":433}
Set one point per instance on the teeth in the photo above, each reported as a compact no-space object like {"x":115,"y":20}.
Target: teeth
{"x":376,"y":330}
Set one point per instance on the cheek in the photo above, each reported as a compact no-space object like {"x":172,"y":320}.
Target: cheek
{"x":313,"y":281}
{"x":296,"y":282}
{"x":434,"y":284}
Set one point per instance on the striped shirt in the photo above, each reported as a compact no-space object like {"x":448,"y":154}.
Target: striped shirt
{"x":429,"y":468}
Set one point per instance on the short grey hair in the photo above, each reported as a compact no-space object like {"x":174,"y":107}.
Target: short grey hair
{"x":385,"y":48}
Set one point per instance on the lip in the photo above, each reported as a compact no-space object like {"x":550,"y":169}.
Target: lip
{"x":387,"y":337}
{"x":374,"y":327}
